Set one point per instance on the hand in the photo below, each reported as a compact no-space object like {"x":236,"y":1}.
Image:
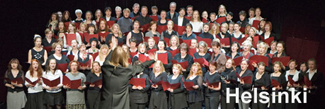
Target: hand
{"x":14,"y":84}
{"x":140,"y":88}
{"x":183,"y":70}
{"x":30,"y":85}
{"x":196,"y":86}
{"x":43,"y":64}
{"x":205,"y":84}
{"x":154,"y":86}
{"x":80,"y":88}
{"x":92,"y":85}
{"x":66,"y":87}
{"x":254,"y":64}
{"x":242,"y":81}
{"x":12,"y":87}
{"x":49,"y":88}
{"x":263,"y":88}
{"x":170,"y":90}
{"x":100,"y":86}
{"x":54,"y":88}
{"x":227,"y":82}
{"x":134,"y":87}
{"x":289,"y":85}
{"x":152,"y":56}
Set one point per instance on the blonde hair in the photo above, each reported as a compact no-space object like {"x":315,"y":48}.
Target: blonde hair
{"x":119,"y":29}
{"x":179,"y":67}
{"x":192,"y":18}
{"x":101,"y":56}
{"x":204,"y":45}
{"x":126,"y":10}
{"x":263,"y":44}
{"x":220,"y":7}
{"x":142,"y":45}
{"x":199,"y":71}
{"x":162,"y":68}
{"x":119,"y":57}
{"x":177,"y":39}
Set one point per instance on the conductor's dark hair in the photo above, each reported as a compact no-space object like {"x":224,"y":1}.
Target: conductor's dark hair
{"x":108,"y":8}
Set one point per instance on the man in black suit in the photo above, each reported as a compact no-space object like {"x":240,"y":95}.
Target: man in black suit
{"x":181,"y":20}
{"x":108,"y":13}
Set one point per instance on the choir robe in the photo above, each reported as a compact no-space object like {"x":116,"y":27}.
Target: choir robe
{"x":187,"y":58}
{"x":115,"y":93}
{"x":158,"y":97}
{"x":177,"y":98}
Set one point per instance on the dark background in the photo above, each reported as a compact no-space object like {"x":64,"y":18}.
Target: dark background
{"x":297,"y":22}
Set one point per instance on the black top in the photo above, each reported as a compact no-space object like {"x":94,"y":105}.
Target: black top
{"x":83,"y":60}
{"x":185,"y":37}
{"x":240,"y":37}
{"x":179,"y":79}
{"x":206,"y":35}
{"x":237,"y":55}
{"x":207,"y":57}
{"x":197,"y":94}
{"x":263,"y":81}
{"x":187,"y":58}
{"x":159,"y":23}
{"x":245,"y":87}
{"x":243,"y":23}
{"x":110,"y":19}
{"x":185,"y":21}
{"x":170,"y":17}
{"x":143,"y":20}
{"x":167,"y":35}
{"x":11,"y":77}
{"x":282,"y":55}
{"x":227,"y":35}
{"x":211,"y":78}
{"x":109,"y":38}
{"x":281,"y":79}
{"x":229,"y":74}
{"x":140,"y":96}
{"x":161,"y":77}
{"x":138,"y":36}
{"x":64,"y":59}
{"x":92,"y":77}
{"x":39,"y":55}
{"x":271,"y":35}
{"x":45,"y":43}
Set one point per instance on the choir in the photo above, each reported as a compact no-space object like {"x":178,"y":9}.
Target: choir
{"x":198,"y":61}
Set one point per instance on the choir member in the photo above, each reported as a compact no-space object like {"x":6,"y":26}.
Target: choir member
{"x":280,"y":77}
{"x":267,"y":31}
{"x":143,"y":18}
{"x":296,"y":76}
{"x":78,"y":13}
{"x":244,"y":87}
{"x":108,"y":14}
{"x":189,"y":33}
{"x":317,"y":84}
{"x":61,"y":28}
{"x":231,"y":28}
{"x":217,"y":56}
{"x":280,"y":48}
{"x":53,"y":22}
{"x":213,"y":17}
{"x":205,"y":16}
{"x":98,"y":16}
{"x":135,"y":12}
{"x":261,"y":27}
{"x":262,"y":49}
{"x":214,"y":30}
{"x":154,"y":11}
{"x":162,"y":49}
{"x":183,"y":56}
{"x":37,"y":52}
{"x":260,"y":82}
{"x":72,"y":30}
{"x":93,"y":92}
{"x":141,"y":50}
{"x":234,"y":52}
{"x":196,"y":22}
{"x":16,"y":98}
{"x":169,"y":32}
{"x":202,"y":53}
{"x":118,"y":12}
{"x":102,"y":31}
{"x":133,"y":45}
{"x":272,"y":49}
{"x":58,"y":56}
{"x":246,"y":53}
{"x":125,"y":22}
{"x":48,"y":40}
{"x":229,"y":17}
{"x":35,"y":92}
{"x":177,"y":97}
{"x":158,"y":98}
{"x":93,"y":46}
{"x":91,"y":31}
{"x":163,"y":20}
{"x":243,"y":21}
{"x":116,"y":75}
{"x":103,"y":53}
{"x":136,"y":33}
{"x":224,"y":34}
{"x":75,"y":98}
{"x":181,"y":20}
{"x":237,"y":33}
{"x":189,"y":10}
{"x":171,"y":14}
{"x":212,"y":94}
{"x":303,"y":68}
{"x":89,"y":17}
{"x":194,"y":44}
{"x":53,"y":95}
{"x":258,"y":16}
{"x":222,"y":12}
{"x":226,"y":77}
{"x":251,"y":14}
{"x":151,"y":44}
{"x":115,"y":35}
{"x":73,"y":48}
{"x":247,"y":29}
{"x":205,"y":33}
{"x":152,"y":32}
{"x":66,"y":17}
{"x":82,"y":29}
{"x":83,"y":57}
{"x":195,"y":97}
{"x":173,"y":43}
{"x":138,"y":94}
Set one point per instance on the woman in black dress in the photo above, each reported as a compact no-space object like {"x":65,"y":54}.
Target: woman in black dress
{"x":280,"y":77}
{"x":280,"y":47}
{"x":212,"y":94}
{"x":37,"y":52}
{"x":162,"y":20}
{"x":93,"y":93}
{"x":224,"y":34}
{"x":195,"y":97}
{"x":84,"y":57}
{"x":158,"y":98}
{"x":58,"y":56}
{"x":228,"y":76}
{"x":48,"y":40}
{"x":173,"y":43}
{"x":169,"y":32}
{"x":234,"y":52}
{"x":183,"y":57}
{"x":202,"y":53}
{"x":136,"y":33}
{"x":261,"y":82}
{"x":177,"y":97}
{"x":162,"y":49}
{"x":138,"y":94}
{"x":244,"y":87}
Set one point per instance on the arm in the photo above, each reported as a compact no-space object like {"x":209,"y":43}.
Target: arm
{"x":45,"y":57}
{"x":127,"y":39}
{"x":181,"y":87}
{"x":139,"y":68}
{"x":221,"y":63}
{"x":30,"y":56}
{"x":78,"y":37}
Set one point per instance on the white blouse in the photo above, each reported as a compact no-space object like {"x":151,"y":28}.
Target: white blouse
{"x":50,"y":76}
{"x":197,"y":26}
{"x":37,"y":88}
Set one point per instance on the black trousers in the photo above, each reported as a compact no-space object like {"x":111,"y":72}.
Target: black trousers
{"x":212,"y":102}
{"x":138,"y":105}
{"x":195,"y":105}
{"x":225,"y":105}
{"x":93,"y":99}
